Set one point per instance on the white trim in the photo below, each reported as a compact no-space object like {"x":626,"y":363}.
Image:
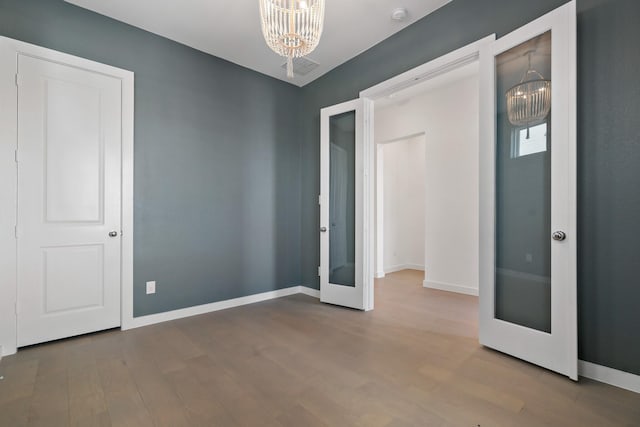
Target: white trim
{"x":459,"y":289}
{"x":126,"y":242}
{"x":614,"y":377}
{"x":310,"y":291}
{"x":166,"y":316}
{"x":379,"y":275}
{"x":427,"y":71}
{"x":8,"y":195}
{"x":9,"y":49}
{"x":379,"y":212}
{"x":400,"y":267}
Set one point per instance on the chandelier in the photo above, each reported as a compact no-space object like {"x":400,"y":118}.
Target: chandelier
{"x":292,"y":28}
{"x":529,"y":102}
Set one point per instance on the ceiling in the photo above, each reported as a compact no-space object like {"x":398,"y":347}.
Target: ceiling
{"x":231,"y":29}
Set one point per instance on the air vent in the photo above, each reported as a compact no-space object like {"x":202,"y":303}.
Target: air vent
{"x":302,"y":66}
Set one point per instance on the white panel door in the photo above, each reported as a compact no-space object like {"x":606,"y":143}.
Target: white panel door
{"x":528,"y":233}
{"x":345,"y":249}
{"x":69,"y":184}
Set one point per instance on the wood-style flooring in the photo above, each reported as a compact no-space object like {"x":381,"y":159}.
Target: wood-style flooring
{"x":413,"y":361}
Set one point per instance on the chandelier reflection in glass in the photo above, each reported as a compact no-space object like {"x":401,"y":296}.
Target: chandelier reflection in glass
{"x":292,"y":28}
{"x":529,"y":102}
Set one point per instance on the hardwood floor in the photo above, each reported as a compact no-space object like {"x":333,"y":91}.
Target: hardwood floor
{"x":413,"y":361}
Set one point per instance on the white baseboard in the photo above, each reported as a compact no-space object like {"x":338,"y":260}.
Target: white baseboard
{"x":401,"y":267}
{"x":604,"y":374}
{"x":460,"y":289}
{"x":7,"y":351}
{"x":309,"y":291}
{"x":214,"y":306}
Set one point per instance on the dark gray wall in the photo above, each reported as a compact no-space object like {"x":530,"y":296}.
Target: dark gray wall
{"x":217,"y":168}
{"x":608,"y":153}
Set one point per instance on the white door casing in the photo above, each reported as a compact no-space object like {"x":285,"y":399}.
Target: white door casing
{"x":359,"y":296}
{"x":76,"y":182}
{"x":556,"y":350}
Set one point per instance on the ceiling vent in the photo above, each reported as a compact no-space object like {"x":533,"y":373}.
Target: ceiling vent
{"x":302,"y":66}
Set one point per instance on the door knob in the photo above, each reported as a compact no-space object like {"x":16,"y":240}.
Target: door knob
{"x":559,"y":236}
{"x":323,"y":229}
{"x":113,"y":233}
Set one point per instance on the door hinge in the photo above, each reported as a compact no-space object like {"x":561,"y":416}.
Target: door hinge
{"x":15,"y":231}
{"x":319,"y":199}
{"x":319,"y":271}
{"x":16,"y":307}
{"x":15,"y":155}
{"x":18,"y":79}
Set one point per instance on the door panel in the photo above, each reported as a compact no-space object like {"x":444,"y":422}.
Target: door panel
{"x":69,"y":183}
{"x":528,"y":305}
{"x":345,"y":158}
{"x":72,"y":149}
{"x":73,"y":278}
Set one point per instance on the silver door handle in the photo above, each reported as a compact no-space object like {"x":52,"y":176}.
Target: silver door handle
{"x":558,"y":236}
{"x":323,"y":229}
{"x":113,"y":233}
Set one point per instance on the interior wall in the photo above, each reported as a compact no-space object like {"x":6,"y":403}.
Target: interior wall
{"x":224,"y":175}
{"x":403,"y":182}
{"x":449,"y":116}
{"x":217,"y":159}
{"x":608,"y":147}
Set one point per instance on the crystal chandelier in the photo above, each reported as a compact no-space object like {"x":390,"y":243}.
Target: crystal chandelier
{"x":292,"y":28}
{"x":529,"y":102}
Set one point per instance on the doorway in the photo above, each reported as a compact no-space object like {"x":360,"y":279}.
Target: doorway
{"x":400,"y":204}
{"x":427,"y":180}
{"x":508,"y":113}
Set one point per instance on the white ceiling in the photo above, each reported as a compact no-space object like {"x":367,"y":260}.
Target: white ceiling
{"x":231,"y":29}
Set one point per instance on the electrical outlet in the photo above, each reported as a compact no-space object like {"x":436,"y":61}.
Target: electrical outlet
{"x":528,"y":257}
{"x":151,"y":287}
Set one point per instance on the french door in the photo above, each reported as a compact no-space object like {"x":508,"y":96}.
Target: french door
{"x":528,"y":193}
{"x":345,"y":205}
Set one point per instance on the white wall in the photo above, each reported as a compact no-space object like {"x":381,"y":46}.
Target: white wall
{"x":403,"y":195}
{"x":449,"y":117}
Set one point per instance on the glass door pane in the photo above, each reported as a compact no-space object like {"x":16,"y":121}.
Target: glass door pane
{"x":342,"y":195}
{"x":523,"y":184}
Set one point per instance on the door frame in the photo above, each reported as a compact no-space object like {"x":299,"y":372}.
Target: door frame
{"x":427,"y":71}
{"x":9,"y":51}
